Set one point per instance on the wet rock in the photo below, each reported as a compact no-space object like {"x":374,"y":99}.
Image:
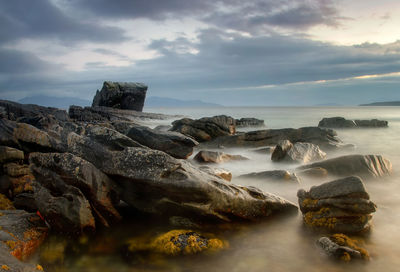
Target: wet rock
{"x":249,"y":122}
{"x":219,"y":172}
{"x":178,"y":242}
{"x":365,"y":166}
{"x":21,"y":232}
{"x":155,"y":182}
{"x":324,"y":138}
{"x":172,"y":143}
{"x":163,"y":127}
{"x":297,"y":153}
{"x":9,"y":154}
{"x":217,"y":157}
{"x":341,"y":205}
{"x":75,"y":171}
{"x":340,"y":122}
{"x":206,"y":128}
{"x":342,"y":247}
{"x":121,"y":95}
{"x":273,"y":175}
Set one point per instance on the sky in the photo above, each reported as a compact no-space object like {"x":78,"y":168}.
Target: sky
{"x":230,"y":52}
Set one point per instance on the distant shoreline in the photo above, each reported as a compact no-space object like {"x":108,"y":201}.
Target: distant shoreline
{"x":388,"y":103}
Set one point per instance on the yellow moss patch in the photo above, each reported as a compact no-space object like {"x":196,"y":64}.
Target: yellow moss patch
{"x":309,"y":202}
{"x":5,"y":203}
{"x":317,"y":219}
{"x":5,"y":267}
{"x":344,"y":240}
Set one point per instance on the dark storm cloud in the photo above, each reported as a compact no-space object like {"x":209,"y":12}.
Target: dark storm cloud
{"x":41,"y":19}
{"x":252,"y":16}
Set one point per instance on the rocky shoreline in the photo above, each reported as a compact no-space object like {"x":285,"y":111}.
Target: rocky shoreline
{"x":69,"y":173}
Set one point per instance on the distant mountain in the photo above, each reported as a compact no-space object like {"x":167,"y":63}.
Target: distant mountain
{"x":155,"y":101}
{"x":56,"y":102}
{"x":327,"y":104}
{"x":388,"y":103}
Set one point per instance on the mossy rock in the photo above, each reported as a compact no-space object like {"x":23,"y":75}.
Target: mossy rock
{"x":344,"y":240}
{"x":178,"y":242}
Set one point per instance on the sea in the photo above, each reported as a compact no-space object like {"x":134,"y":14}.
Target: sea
{"x":277,"y":243}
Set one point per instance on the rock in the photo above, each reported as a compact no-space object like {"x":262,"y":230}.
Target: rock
{"x":109,"y":138}
{"x":9,"y":154}
{"x":342,"y":247}
{"x":178,"y":242}
{"x":121,"y":95}
{"x":66,"y":212}
{"x":5,"y":203}
{"x":341,"y":205}
{"x":274,"y":175}
{"x":206,"y":128}
{"x":297,"y":153}
{"x":13,"y":169}
{"x":264,"y":150}
{"x":172,"y":143}
{"x":10,"y":263}
{"x":219,"y":172}
{"x":99,"y":189}
{"x":182,"y":222}
{"x":316,"y":173}
{"x":371,"y":123}
{"x":281,"y":150}
{"x":365,"y":166}
{"x":163,"y":127}
{"x":27,"y":138}
{"x":249,"y":122}
{"x":340,"y":122}
{"x":324,"y":138}
{"x":217,"y":157}
{"x":152,"y":181}
{"x":21,"y":233}
{"x":106,"y":114}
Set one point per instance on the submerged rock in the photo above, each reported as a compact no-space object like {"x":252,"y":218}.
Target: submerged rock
{"x":217,"y":157}
{"x":341,"y":205}
{"x":324,"y":138}
{"x":206,"y":128}
{"x":178,"y":242}
{"x":121,"y":95}
{"x":273,"y":175}
{"x":365,"y":166}
{"x":340,"y":122}
{"x":342,"y":247}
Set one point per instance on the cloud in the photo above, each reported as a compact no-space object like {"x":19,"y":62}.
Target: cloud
{"x":250,"y":16}
{"x":42,"y":19}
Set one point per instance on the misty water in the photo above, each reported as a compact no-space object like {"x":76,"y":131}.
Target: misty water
{"x":279,"y":243}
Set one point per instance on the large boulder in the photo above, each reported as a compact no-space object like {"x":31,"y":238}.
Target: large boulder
{"x":297,"y":153}
{"x":21,"y":233}
{"x":341,"y":205}
{"x":216,"y":157}
{"x":365,"y":166}
{"x":121,"y":95}
{"x":324,"y":138}
{"x":97,"y":187}
{"x":340,"y":122}
{"x":172,"y":143}
{"x":206,"y":128}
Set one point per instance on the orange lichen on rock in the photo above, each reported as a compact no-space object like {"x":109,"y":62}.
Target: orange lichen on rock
{"x":309,"y":202}
{"x":344,"y":240}
{"x":5,"y":203}
{"x":22,"y":249}
{"x":39,"y":267}
{"x":5,"y":267}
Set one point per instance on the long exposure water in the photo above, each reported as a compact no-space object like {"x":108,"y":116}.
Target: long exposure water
{"x":278,"y":243}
